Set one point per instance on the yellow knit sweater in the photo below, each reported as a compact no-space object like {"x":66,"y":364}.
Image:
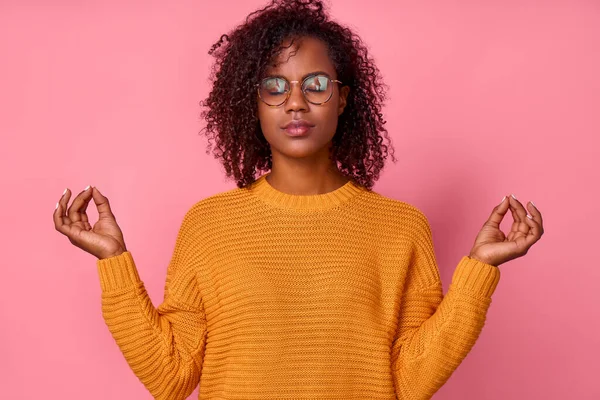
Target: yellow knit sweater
{"x":276,"y":296}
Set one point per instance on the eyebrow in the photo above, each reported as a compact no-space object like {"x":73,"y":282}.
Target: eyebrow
{"x":301,"y":79}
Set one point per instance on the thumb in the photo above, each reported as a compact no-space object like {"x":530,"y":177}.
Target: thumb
{"x":102,"y":204}
{"x":498,"y":213}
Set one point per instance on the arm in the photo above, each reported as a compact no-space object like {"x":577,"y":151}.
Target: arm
{"x":164,"y":346}
{"x":435,"y":332}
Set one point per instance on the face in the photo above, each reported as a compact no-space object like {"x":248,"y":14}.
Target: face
{"x":294,"y":64}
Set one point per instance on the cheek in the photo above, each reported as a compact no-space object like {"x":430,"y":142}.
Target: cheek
{"x":329,"y":118}
{"x":269,"y":122}
{"x":267,"y":117}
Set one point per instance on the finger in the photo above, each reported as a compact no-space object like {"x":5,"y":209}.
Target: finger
{"x":61,"y":221}
{"x":102,"y":204}
{"x":74,"y":212}
{"x":498,"y":213}
{"x":517,"y":209}
{"x":534,"y":233}
{"x":56,"y":215}
{"x":537,"y":215}
{"x":518,"y":225}
{"x":84,"y":216}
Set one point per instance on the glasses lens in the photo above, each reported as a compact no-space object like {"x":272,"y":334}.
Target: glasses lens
{"x":274,"y":90}
{"x":317,"y":89}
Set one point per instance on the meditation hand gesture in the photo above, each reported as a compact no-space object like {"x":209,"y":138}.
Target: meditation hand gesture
{"x":493,"y":247}
{"x":104,"y":239}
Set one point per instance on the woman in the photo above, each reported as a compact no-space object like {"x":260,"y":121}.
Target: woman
{"x":303,"y":283}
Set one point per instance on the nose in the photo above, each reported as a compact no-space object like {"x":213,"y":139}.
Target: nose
{"x":296,"y":101}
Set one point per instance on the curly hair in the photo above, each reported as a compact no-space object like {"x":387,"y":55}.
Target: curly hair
{"x":242,"y":57}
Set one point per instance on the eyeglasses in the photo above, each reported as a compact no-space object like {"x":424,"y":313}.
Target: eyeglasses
{"x":317,"y":89}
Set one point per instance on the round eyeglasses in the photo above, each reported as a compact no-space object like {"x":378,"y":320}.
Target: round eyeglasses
{"x":275,"y":90}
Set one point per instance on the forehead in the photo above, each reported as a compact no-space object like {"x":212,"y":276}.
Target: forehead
{"x":303,"y":56}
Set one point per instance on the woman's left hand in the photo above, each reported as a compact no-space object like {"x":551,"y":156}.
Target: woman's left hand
{"x":493,"y":247}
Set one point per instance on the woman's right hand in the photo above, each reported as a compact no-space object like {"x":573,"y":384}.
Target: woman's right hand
{"x":104,"y":239}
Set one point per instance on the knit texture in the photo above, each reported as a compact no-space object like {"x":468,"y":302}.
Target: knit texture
{"x":276,"y":296}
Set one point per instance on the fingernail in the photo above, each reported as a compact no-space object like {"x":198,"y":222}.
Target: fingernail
{"x":64,"y":192}
{"x":533,"y":204}
{"x":87,"y":187}
{"x":56,"y":206}
{"x":529,"y":216}
{"x":513,"y":196}
{"x":503,"y":200}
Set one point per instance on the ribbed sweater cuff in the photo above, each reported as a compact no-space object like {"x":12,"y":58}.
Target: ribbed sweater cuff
{"x":476,"y":277}
{"x":117,"y":272}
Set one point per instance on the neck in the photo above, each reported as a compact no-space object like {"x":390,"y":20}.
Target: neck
{"x":305,"y":179}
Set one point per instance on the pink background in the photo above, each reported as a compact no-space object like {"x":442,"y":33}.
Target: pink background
{"x":486,"y":98}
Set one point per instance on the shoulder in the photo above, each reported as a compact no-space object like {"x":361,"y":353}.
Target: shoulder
{"x":397,"y":211}
{"x":219,"y":204}
{"x":403,"y":223}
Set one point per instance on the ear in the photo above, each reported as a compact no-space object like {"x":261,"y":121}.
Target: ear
{"x":343,"y":99}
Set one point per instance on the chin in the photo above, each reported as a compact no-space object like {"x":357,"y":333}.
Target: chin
{"x":301,"y":149}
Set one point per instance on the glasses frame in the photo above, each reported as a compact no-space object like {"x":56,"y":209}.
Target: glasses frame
{"x":289,"y":92}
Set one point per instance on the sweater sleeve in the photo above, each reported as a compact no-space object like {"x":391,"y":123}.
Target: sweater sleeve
{"x":435,"y":332}
{"x":164,"y":346}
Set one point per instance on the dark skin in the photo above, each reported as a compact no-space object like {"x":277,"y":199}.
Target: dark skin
{"x":493,"y":247}
{"x":301,"y":166}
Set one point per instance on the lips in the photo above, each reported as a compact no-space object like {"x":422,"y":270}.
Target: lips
{"x":299,"y":131}
{"x":297,"y":123}
{"x":297,"y":127}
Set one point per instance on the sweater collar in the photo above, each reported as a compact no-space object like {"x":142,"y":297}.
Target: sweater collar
{"x":262,"y":189}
